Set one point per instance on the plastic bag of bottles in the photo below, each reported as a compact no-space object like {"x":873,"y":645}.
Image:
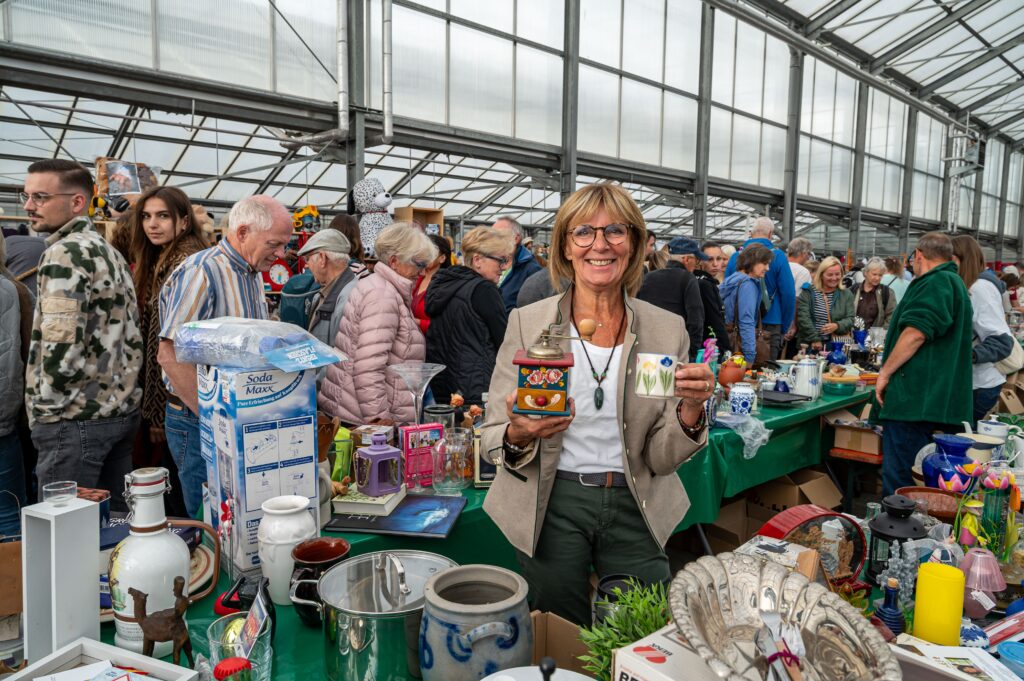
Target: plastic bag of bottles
{"x":243,"y":343}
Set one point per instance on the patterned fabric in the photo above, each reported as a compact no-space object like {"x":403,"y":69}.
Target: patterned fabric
{"x":86,"y":350}
{"x":216,"y":282}
{"x":154,"y":393}
{"x":821,"y":310}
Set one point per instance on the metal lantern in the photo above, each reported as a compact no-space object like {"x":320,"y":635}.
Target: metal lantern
{"x":378,"y":467}
{"x":542,"y":373}
{"x":894,"y":523}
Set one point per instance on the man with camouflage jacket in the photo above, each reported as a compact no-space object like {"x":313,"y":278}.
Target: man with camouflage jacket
{"x":82,"y":381}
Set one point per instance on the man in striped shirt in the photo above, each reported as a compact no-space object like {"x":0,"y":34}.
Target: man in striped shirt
{"x":222,"y":281}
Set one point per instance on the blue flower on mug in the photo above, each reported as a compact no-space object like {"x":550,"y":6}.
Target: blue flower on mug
{"x":666,"y":361}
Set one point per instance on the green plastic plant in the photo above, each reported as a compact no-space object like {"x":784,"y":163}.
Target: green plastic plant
{"x":637,"y":613}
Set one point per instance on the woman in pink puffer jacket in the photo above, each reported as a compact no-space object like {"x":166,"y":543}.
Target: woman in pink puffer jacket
{"x":377,"y":330}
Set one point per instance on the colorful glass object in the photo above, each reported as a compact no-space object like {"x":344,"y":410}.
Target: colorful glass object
{"x":378,"y":467}
{"x":890,"y":612}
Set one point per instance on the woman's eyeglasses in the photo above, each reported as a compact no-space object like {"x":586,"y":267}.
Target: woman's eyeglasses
{"x":585,"y":235}
{"x":502,"y":262}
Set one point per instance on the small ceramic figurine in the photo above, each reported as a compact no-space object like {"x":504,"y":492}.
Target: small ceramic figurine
{"x":165,"y":625}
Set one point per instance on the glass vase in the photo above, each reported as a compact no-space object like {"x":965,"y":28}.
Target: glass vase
{"x":453,"y":457}
{"x":993,"y":519}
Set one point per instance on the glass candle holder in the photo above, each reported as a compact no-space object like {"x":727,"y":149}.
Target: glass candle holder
{"x":60,"y":493}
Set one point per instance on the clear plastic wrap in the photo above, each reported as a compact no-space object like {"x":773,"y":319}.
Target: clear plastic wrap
{"x":750,"y":429}
{"x":245,"y":343}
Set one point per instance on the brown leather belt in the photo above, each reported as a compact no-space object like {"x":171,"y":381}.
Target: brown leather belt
{"x":608,"y":479}
{"x":176,"y":402}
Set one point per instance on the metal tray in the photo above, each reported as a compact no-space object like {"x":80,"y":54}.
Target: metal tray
{"x":775,"y":398}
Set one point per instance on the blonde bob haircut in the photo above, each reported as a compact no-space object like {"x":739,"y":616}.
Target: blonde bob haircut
{"x":486,"y":241}
{"x":404,"y":241}
{"x":582,"y":206}
{"x":827,"y":264}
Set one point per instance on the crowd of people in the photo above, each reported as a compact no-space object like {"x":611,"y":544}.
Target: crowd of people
{"x":87,"y":333}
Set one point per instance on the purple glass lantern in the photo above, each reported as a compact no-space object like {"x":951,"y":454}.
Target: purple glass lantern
{"x":378,"y":467}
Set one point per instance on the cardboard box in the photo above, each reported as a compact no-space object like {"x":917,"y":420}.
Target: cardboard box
{"x":805,"y":486}
{"x":662,"y":656}
{"x":87,"y":651}
{"x":1009,"y":402}
{"x":558,"y":639}
{"x":261,"y":437}
{"x":787,"y":554}
{"x":731,"y":528}
{"x":854,"y":438}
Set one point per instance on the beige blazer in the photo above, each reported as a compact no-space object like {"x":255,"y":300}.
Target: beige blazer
{"x":653,"y":442}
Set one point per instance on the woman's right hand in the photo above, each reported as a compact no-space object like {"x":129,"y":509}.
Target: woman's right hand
{"x":522,"y":429}
{"x":829,"y":329}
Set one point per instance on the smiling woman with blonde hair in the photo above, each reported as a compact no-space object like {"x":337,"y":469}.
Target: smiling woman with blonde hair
{"x":824,"y":309}
{"x":577,"y":491}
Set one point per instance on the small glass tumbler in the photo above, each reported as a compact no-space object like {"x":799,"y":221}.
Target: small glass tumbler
{"x":60,"y":493}
{"x":222,"y":636}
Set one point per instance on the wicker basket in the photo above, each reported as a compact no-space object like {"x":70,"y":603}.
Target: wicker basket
{"x":941,"y":502}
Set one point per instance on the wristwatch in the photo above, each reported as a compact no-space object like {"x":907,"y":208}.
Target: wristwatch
{"x":513,"y":452}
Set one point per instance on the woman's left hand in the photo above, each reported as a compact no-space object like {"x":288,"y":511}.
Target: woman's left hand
{"x":694,"y":382}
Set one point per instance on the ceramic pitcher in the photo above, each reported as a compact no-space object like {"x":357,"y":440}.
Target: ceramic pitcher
{"x":805,"y":376}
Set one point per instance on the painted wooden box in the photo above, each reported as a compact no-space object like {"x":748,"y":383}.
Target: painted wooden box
{"x":542,"y":384}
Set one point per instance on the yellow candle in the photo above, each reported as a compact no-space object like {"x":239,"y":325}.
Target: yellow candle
{"x":939,"y":605}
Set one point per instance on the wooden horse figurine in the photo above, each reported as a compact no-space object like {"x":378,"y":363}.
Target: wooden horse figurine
{"x":165,"y":625}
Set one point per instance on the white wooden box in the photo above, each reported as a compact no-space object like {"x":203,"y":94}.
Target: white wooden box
{"x":86,"y":651}
{"x":61,"y":597}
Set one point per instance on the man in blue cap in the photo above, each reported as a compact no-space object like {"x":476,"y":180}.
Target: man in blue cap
{"x":778,"y":293}
{"x":675,"y":289}
{"x":690,"y":254}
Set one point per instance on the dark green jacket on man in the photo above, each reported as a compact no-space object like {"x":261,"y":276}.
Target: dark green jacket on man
{"x":935,"y":384}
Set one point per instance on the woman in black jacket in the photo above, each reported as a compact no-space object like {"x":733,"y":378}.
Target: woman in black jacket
{"x":467,"y":316}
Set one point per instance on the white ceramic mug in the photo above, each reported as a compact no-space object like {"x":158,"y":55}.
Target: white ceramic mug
{"x":997,"y":429}
{"x":655,"y":375}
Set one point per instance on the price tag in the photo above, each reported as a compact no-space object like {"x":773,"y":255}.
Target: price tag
{"x":983,"y":599}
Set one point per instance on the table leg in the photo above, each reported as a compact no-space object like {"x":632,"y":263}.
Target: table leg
{"x":703,"y":540}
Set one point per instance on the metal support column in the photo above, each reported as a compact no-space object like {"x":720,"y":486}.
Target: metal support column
{"x":700,"y":185}
{"x":909,"y":158}
{"x":1020,"y":223}
{"x":946,"y":220}
{"x":570,"y":99}
{"x":979,"y":182}
{"x":857,"y":189}
{"x":796,"y":87}
{"x":1004,"y":189}
{"x":356,"y":146}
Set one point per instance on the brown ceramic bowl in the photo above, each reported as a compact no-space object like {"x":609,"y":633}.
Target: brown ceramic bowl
{"x":314,"y":557}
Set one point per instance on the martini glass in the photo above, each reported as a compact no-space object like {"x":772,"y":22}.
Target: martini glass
{"x":416,"y":376}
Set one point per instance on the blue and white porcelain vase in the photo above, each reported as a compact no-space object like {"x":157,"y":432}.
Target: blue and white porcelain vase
{"x":742,"y":398}
{"x":476,"y":622}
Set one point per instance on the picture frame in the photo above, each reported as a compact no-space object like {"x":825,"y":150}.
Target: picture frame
{"x":483,"y":470}
{"x":85,"y":651}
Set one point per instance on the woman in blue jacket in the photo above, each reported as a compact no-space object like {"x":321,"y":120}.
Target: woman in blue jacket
{"x":741,"y":296}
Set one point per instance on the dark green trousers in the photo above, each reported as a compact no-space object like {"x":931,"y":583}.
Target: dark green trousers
{"x":588,"y":528}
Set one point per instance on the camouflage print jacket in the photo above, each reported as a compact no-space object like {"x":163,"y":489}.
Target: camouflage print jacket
{"x":86,"y":349}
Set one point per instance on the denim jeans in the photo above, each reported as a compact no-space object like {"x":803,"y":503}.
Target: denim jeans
{"x":984,"y":400}
{"x":181,"y":427}
{"x":94,"y":453}
{"x":901,"y":441}
{"x":12,"y":485}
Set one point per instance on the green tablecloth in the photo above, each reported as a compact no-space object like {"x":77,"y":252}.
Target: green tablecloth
{"x":717,"y":472}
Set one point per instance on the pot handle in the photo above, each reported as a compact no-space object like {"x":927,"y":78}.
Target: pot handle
{"x":216,"y":554}
{"x":382,"y":559}
{"x":499,"y":629}
{"x":302,"y":601}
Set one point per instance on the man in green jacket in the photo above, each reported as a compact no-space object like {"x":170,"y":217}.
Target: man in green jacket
{"x":925,"y":382}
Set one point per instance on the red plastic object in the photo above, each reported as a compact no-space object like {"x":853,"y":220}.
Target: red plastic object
{"x":792,"y":519}
{"x":230,"y":667}
{"x":220,"y":609}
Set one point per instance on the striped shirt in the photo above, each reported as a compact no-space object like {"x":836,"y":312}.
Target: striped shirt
{"x":821,"y":309}
{"x":216,"y":282}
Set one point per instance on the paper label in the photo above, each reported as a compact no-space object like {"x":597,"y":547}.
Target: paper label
{"x":306,"y":355}
{"x":983,"y":599}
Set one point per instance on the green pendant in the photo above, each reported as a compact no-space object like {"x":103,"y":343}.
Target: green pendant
{"x":598,"y":396}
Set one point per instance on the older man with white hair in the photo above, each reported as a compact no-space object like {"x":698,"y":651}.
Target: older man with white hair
{"x":522,"y":266}
{"x":222,"y":281}
{"x":327,"y":257}
{"x":778,"y":293}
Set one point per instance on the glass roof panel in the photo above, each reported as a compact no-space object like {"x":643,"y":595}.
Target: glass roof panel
{"x":25,"y":140}
{"x":84,"y":147}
